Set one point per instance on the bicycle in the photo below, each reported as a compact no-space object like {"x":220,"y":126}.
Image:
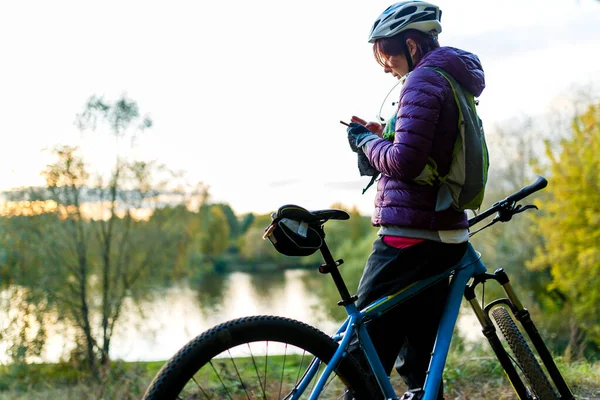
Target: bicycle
{"x":213,"y":364}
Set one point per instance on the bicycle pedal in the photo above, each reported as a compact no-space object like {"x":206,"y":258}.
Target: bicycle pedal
{"x":413,"y":394}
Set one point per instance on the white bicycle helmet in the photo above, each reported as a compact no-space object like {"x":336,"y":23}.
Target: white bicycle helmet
{"x":419,"y":15}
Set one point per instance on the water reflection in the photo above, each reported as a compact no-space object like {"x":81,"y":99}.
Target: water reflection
{"x":210,"y":290}
{"x":179,"y":313}
{"x":266,"y":283}
{"x":156,"y":328}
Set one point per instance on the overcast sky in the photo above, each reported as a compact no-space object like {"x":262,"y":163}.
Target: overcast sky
{"x":246,"y":95}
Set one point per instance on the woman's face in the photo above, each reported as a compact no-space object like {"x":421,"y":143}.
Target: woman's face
{"x":396,"y":65}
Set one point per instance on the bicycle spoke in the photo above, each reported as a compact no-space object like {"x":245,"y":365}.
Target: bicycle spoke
{"x":282,"y":370}
{"x":316,"y":377}
{"x":256,"y":370}
{"x":200,"y":387}
{"x":239,"y":376}
{"x":220,"y":380}
{"x":300,"y":367}
{"x":331,"y":378}
{"x":266,"y":361}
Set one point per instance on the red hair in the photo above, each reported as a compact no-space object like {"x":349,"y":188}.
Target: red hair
{"x":385,"y":48}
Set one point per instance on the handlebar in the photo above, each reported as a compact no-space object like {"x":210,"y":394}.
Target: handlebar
{"x":510,"y":201}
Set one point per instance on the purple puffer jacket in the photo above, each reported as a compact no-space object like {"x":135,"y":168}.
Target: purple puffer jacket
{"x":426,"y":127}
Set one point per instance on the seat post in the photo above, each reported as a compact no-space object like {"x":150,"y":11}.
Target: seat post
{"x":331,"y":267}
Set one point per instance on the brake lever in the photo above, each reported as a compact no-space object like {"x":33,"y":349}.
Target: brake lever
{"x":519,"y":209}
{"x":505,"y":214}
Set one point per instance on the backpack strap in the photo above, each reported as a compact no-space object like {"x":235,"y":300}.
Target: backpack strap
{"x":464,"y":185}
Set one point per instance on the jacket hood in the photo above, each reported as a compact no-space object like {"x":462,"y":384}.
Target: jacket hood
{"x":464,"y":67}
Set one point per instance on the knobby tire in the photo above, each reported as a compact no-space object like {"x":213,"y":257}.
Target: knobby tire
{"x":538,"y":382}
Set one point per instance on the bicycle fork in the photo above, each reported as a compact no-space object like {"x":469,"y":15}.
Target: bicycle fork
{"x":523,"y":316}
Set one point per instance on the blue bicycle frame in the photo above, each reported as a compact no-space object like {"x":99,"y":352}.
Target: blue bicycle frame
{"x":469,"y":268}
{"x":470,"y":265}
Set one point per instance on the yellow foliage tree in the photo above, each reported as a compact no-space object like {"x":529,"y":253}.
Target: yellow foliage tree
{"x":570,"y":227}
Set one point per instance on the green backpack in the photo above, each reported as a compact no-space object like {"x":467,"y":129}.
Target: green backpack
{"x":463,"y":187}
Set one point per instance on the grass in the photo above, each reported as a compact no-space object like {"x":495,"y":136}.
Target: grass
{"x":470,"y":376}
{"x":479,"y":376}
{"x":123,"y":381}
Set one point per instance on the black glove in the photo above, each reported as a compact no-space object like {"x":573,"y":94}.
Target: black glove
{"x":364,"y":165}
{"x":366,"y":169}
{"x":358,"y":135}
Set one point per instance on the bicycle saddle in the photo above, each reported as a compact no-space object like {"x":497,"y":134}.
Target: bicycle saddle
{"x":298,"y":213}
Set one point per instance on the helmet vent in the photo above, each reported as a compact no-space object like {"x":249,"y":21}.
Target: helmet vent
{"x":406,"y":11}
{"x":386,"y":17}
{"x":422,"y":16}
{"x":397,"y":24}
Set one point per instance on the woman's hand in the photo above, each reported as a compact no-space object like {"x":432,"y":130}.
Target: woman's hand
{"x":374,"y":127}
{"x":358,"y":136}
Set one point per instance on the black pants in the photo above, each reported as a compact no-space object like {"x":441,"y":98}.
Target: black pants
{"x":404,"y":336}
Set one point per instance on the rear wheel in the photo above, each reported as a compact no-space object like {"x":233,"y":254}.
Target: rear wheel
{"x":538,"y":382}
{"x":259,"y":357}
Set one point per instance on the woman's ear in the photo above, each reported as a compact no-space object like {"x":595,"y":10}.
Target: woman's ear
{"x":412,"y":48}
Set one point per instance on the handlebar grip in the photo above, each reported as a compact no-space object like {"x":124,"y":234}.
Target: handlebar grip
{"x":539,"y":184}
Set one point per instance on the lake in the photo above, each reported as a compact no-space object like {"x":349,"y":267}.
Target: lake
{"x":157,"y":328}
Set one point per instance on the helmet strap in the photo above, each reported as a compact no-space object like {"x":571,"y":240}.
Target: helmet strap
{"x":407,"y":55}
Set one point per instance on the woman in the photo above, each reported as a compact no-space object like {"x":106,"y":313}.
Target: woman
{"x":416,"y":238}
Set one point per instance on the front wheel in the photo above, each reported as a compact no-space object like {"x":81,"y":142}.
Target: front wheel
{"x":534,"y":374}
{"x":262,"y":357}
